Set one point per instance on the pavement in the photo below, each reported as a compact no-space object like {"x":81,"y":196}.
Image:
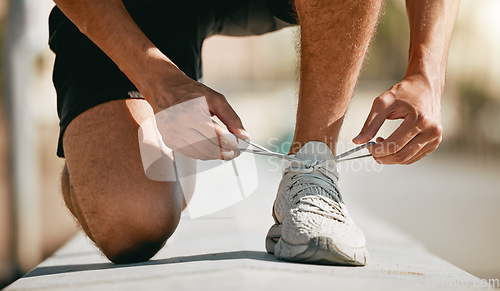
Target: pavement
{"x":225,"y":251}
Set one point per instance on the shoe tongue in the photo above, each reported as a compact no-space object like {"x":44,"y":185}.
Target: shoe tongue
{"x":315,"y":151}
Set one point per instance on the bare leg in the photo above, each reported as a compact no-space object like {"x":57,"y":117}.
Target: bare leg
{"x":127,"y":215}
{"x":335,"y":36}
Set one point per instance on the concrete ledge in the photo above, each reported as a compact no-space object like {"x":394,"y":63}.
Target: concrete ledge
{"x":220,"y":255}
{"x":225,"y":251}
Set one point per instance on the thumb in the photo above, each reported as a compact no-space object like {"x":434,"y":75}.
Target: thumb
{"x":228,"y":116}
{"x":372,"y":125}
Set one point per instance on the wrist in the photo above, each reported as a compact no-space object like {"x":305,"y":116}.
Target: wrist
{"x":428,"y":73}
{"x":152,"y":73}
{"x":147,"y":64}
{"x":157,"y":78}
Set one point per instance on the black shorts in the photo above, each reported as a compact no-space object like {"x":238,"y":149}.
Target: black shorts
{"x":85,"y":77}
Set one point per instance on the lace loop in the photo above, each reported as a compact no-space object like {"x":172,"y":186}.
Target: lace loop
{"x":315,"y":188}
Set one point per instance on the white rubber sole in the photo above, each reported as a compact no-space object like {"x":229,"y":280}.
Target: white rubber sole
{"x":319,"y":250}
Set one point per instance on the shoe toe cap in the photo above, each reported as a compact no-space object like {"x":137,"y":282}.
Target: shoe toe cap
{"x":299,"y":227}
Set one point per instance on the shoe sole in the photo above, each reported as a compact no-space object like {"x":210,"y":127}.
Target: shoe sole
{"x":319,"y":250}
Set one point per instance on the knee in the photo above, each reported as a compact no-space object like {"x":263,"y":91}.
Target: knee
{"x":132,"y":251}
{"x":133,"y":242}
{"x":125,"y":246}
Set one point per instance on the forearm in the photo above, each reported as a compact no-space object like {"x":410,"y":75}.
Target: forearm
{"x":431,"y":26}
{"x":109,"y":25}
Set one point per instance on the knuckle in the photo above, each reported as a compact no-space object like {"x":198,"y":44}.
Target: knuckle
{"x":385,"y":99}
{"x":404,"y":86}
{"x":422,"y":120}
{"x":377,"y":102}
{"x":439,"y":130}
{"x":382,"y":101}
{"x":435,"y":130}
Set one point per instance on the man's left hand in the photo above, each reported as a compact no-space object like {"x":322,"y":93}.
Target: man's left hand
{"x":420,"y":133}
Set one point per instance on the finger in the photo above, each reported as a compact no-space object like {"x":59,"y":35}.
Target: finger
{"x":373,"y":122}
{"x":211,"y":151}
{"x":210,"y":147}
{"x":397,"y":140}
{"x":192,"y":152}
{"x":227,"y":156}
{"x":429,"y":148}
{"x":418,"y":157}
{"x":215,"y":141}
{"x":225,"y":139}
{"x":221,"y":108}
{"x":407,"y":152}
{"x":227,"y":144}
{"x":177,"y":142}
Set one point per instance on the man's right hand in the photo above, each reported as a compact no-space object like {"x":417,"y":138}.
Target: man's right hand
{"x":108,"y":23}
{"x":184,"y":109}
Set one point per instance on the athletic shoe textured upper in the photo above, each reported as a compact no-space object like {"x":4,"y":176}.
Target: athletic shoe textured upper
{"x":309,"y":204}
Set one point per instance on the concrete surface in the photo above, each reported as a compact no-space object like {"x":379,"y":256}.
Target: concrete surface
{"x":225,"y":251}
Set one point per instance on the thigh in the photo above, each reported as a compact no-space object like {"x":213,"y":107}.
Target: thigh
{"x":108,"y":182}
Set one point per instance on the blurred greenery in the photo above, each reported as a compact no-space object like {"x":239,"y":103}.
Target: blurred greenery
{"x":478,"y":122}
{"x":473,"y":98}
{"x":389,"y":51}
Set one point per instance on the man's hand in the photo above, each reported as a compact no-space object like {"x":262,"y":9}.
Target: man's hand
{"x":188,"y":129}
{"x":418,"y":135}
{"x":416,"y":99}
{"x":184,"y":109}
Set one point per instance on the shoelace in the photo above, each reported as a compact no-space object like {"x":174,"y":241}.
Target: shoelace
{"x":260,"y":150}
{"x":312,"y":185}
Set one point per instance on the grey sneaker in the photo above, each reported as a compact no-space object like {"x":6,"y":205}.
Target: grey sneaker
{"x":311,"y":221}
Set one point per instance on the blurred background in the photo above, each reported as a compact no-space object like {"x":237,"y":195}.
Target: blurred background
{"x":449,"y":201}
